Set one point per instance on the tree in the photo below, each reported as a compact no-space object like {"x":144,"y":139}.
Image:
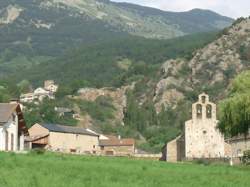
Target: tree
{"x":234,"y":112}
{"x":235,"y":115}
{"x":24,"y":86}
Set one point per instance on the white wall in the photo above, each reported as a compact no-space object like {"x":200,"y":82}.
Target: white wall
{"x":202,"y":138}
{"x":66,"y":141}
{"x":12,"y":128}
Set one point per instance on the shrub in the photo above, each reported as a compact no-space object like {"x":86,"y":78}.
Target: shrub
{"x":246,"y":157}
{"x":201,"y":161}
{"x":38,"y":151}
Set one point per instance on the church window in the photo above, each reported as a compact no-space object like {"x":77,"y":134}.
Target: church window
{"x":199,"y":111}
{"x":203,"y":99}
{"x":204,"y":132}
{"x":209,"y":111}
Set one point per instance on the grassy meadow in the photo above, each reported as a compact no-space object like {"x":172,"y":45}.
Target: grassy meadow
{"x":50,"y":170}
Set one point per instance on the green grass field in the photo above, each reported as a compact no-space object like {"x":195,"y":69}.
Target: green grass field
{"x":50,"y":170}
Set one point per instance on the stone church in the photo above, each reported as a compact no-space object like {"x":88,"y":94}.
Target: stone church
{"x":201,"y":139}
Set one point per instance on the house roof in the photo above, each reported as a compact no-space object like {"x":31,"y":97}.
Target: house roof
{"x":117,"y":142}
{"x":34,"y":138}
{"x":6,"y":109}
{"x":63,"y":110}
{"x":239,"y":138}
{"x":68,"y":129}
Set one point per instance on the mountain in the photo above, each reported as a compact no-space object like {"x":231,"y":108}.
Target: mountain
{"x":211,"y":69}
{"x":109,"y":63}
{"x":49,"y":27}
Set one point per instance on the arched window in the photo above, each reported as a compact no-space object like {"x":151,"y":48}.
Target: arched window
{"x":209,"y":111}
{"x":199,"y":110}
{"x":203,"y":99}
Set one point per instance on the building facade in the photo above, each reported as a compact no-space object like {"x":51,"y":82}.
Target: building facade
{"x":50,"y":86}
{"x":239,"y":145}
{"x":116,"y":146}
{"x":201,"y":138}
{"x":49,"y":90}
{"x":64,"y":139}
{"x":12,"y":127}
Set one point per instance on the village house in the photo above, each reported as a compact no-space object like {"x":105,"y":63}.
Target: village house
{"x":39,"y":94}
{"x":201,"y":139}
{"x":62,"y":111}
{"x":50,"y":86}
{"x":116,"y":146}
{"x":12,"y":127}
{"x":239,"y":145}
{"x":27,"y":98}
{"x":64,"y":139}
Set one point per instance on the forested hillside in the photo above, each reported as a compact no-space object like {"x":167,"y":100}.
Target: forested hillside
{"x":33,"y":31}
{"x":154,"y":63}
{"x":108,"y":63}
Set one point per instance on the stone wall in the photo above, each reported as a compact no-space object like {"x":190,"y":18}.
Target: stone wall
{"x":118,"y":150}
{"x":239,"y":145}
{"x":202,"y":138}
{"x":175,"y":150}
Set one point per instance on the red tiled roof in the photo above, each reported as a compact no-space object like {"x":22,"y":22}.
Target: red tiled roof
{"x":117,"y":142}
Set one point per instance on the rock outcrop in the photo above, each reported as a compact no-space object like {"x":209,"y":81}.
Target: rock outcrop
{"x":118,"y":96}
{"x":210,"y":69}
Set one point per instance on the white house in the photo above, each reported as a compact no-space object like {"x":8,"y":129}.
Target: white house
{"x":12,"y":127}
{"x":41,"y":93}
{"x":27,"y":98}
{"x":49,"y":90}
{"x":50,"y":86}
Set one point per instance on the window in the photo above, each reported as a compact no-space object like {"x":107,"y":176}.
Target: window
{"x":209,"y":111}
{"x":13,"y":117}
{"x":239,"y":152}
{"x":102,"y":148}
{"x":199,"y":110}
{"x":203,"y":99}
{"x":12,"y":142}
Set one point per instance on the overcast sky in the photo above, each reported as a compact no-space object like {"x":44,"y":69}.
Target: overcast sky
{"x":231,"y":8}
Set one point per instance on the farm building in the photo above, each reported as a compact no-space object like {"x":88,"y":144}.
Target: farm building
{"x":239,"y":144}
{"x":112,"y":145}
{"x":12,"y":127}
{"x":64,"y":139}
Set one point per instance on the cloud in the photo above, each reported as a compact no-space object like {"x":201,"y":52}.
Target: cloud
{"x":232,"y":8}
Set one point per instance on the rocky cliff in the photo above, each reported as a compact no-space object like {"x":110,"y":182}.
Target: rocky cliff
{"x":211,"y":68}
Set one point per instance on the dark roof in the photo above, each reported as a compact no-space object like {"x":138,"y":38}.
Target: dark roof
{"x":117,"y":142}
{"x":6,"y":109}
{"x":68,"y":129}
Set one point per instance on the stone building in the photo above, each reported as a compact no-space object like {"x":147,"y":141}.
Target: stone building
{"x":50,"y":86}
{"x":64,"y":139}
{"x":239,"y":145}
{"x":116,"y":146}
{"x":201,"y":139}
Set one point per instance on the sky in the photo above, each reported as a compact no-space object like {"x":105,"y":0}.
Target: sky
{"x":231,"y":8}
